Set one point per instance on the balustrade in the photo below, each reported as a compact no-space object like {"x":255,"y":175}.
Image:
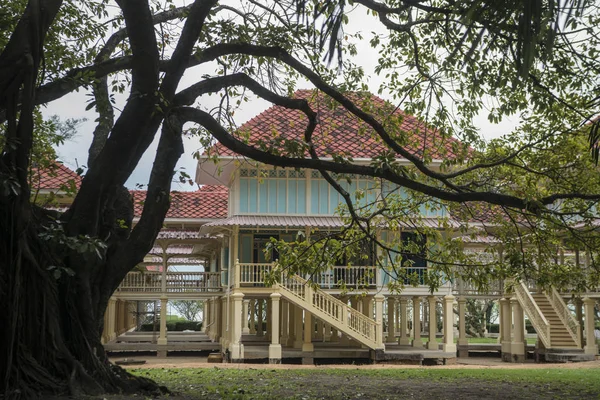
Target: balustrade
{"x":176,"y":282}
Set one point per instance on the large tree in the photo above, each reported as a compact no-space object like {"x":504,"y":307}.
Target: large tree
{"x":445,"y":62}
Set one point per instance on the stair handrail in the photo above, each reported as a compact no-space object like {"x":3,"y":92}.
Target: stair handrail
{"x":565,"y":316}
{"x":533,"y":312}
{"x":355,"y":321}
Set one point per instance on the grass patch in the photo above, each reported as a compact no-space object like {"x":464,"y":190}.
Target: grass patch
{"x":331,"y":383}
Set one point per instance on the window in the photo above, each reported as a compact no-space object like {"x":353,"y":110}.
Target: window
{"x":414,"y":256}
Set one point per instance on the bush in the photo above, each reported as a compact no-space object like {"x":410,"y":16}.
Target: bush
{"x":494,"y":328}
{"x":174,"y":326}
{"x":529,"y":327}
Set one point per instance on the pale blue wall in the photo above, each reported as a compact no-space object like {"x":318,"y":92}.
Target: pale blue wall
{"x":284,"y":192}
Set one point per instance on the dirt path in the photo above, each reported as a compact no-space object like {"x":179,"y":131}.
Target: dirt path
{"x":462,"y":363}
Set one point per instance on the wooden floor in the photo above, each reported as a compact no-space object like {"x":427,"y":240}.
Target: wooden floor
{"x":257,"y":348}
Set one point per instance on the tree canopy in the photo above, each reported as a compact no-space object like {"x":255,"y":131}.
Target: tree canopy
{"x":446,"y":62}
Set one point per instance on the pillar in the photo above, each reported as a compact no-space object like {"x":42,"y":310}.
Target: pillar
{"x":225,"y":313}
{"x":218,"y":319}
{"x":205,"y":316}
{"x":590,"y":338}
{"x":579,"y":316}
{"x":335,"y":336}
{"x":391,"y":313}
{"x":463,"y":343}
{"x":252,"y":306}
{"x":404,"y":338}
{"x":417,"y":322}
{"x":284,"y":322}
{"x":319,"y":333}
{"x":236,"y":348}
{"x":432,"y":343}
{"x":275,"y":346}
{"x":379,"y":298}
{"x":260,"y":328}
{"x":354,"y":303}
{"x":505,"y":328}
{"x":307,"y":346}
{"x":367,"y":306}
{"x":327,"y":332}
{"x":162,"y":337}
{"x":292,"y":325}
{"x":268,"y":319}
{"x":448,"y":317}
{"x":112,"y":309}
{"x":517,"y":345}
{"x":245,"y":328}
{"x":344,"y":339}
{"x":298,"y":327}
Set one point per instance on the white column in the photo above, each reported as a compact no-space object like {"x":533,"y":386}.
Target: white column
{"x":284,"y":322}
{"x":367,"y":306}
{"x":245,"y":328}
{"x":252,"y":306}
{"x":590,"y":338}
{"x":110,"y":329}
{"x":292,"y":325}
{"x":505,"y":328}
{"x":432,"y":344}
{"x":417,"y":322}
{"x":275,"y":346}
{"x":391,"y":313}
{"x":517,"y":345}
{"x":298,"y":325}
{"x":327,"y":333}
{"x":268,"y":319}
{"x":379,"y":298}
{"x":162,"y":337}
{"x":404,"y":338}
{"x":260,"y":327}
{"x":462,"y":330}
{"x":448,"y":316}
{"x":308,"y":330}
{"x":319,"y":333}
{"x":236,"y":347}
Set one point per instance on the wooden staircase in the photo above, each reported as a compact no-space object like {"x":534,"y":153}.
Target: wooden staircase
{"x":560,"y":335}
{"x":327,"y":308}
{"x":555,"y":325}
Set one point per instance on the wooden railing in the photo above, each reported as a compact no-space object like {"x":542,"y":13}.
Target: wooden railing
{"x":533,"y":312}
{"x":565,"y":316}
{"x":350,"y":277}
{"x":333,"y":311}
{"x":141,"y":282}
{"x":176,"y":282}
{"x":466,"y":288}
{"x":252,"y":274}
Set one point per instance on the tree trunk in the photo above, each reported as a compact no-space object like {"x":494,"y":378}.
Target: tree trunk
{"x":51,"y":328}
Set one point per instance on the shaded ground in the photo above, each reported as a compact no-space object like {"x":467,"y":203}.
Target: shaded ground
{"x":488,"y":380}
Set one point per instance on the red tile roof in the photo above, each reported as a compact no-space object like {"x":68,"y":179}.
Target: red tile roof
{"x":207,"y":202}
{"x":53,"y":177}
{"x":340,"y":132}
{"x":210,"y":201}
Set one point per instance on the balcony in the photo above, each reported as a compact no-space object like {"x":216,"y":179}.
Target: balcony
{"x":175,"y":282}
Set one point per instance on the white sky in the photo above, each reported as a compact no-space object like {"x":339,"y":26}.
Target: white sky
{"x":74,"y":153}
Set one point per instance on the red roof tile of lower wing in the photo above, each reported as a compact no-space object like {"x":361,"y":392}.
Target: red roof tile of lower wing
{"x":206,"y":203}
{"x":340,"y":132}
{"x":53,"y":177}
